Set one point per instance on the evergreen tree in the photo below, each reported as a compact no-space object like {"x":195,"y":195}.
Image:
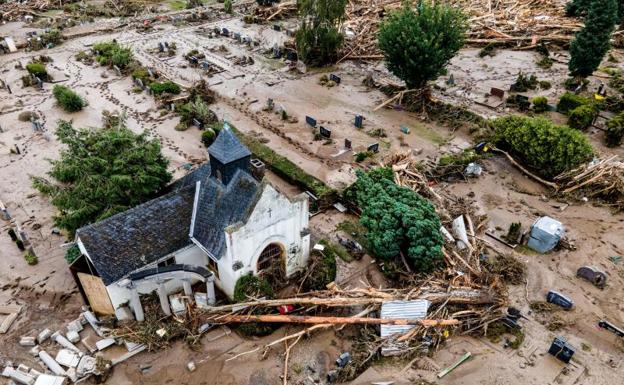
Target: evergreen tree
{"x":398,"y":220}
{"x":101,"y":173}
{"x":419,"y":43}
{"x":591,"y":43}
{"x":318,"y":38}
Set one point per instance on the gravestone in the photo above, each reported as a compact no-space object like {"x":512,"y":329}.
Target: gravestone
{"x":197,"y":123}
{"x":311,"y":121}
{"x":335,"y":79}
{"x":359,"y":121}
{"x":117,"y":70}
{"x":347,"y":144}
{"x":373,"y":148}
{"x":150,"y":72}
{"x":161,"y":47}
{"x":325,"y":132}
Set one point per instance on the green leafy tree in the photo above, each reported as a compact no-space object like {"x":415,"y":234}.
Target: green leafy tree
{"x":419,"y":43}
{"x":102,"y":172}
{"x":541,"y":145}
{"x":398,"y":220}
{"x":318,"y":38}
{"x":592,"y":42}
{"x":68,"y":99}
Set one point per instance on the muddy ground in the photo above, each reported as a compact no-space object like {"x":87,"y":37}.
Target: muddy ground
{"x":49,"y":295}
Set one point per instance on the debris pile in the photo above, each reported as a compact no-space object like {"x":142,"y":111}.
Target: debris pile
{"x":602,"y":179}
{"x":518,"y":22}
{"x":13,"y":10}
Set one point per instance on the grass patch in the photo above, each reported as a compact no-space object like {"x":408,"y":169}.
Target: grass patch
{"x":177,"y":5}
{"x":31,"y":259}
{"x":284,"y":167}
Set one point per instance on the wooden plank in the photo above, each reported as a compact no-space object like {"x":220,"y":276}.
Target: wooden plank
{"x":96,"y":294}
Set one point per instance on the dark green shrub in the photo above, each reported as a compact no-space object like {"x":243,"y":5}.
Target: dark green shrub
{"x":546,"y":148}
{"x":227,"y":6}
{"x":488,"y":50}
{"x":37,"y":69}
{"x":250,"y":286}
{"x":570,"y":101}
{"x":12,"y":234}
{"x":208,"y":136}
{"x":142,"y":74}
{"x":615,"y":131}
{"x":168,"y":87}
{"x":540,"y":104}
{"x":68,"y":99}
{"x":591,"y":43}
{"x":582,"y":117}
{"x":419,"y":42}
{"x":111,"y":53}
{"x":363,"y":155}
{"x":524,"y":83}
{"x":72,"y":254}
{"x":198,"y":110}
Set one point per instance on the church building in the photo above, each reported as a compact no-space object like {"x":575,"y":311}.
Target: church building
{"x":217,"y":224}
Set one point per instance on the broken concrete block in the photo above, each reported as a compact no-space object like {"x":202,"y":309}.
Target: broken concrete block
{"x":103,"y":344}
{"x":46,"y":379}
{"x":87,"y":365}
{"x":11,"y":311}
{"x":35,"y":350}
{"x":67,"y":358}
{"x":17,"y":376}
{"x":23,"y":368}
{"x":73,"y":336}
{"x":124,"y":313}
{"x":131,"y":345}
{"x":93,"y":321}
{"x":191,"y":366}
{"x":51,"y":363}
{"x":27,"y":341}
{"x":44,"y":335}
{"x":75,"y":326}
{"x":71,"y":373}
{"x":34,"y":373}
{"x":64,"y":342}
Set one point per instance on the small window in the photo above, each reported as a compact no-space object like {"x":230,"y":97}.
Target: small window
{"x":214,"y":267}
{"x":167,"y":262}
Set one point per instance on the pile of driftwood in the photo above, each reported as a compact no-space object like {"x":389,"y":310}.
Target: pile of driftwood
{"x":521,"y":23}
{"x":602,"y":179}
{"x":280,"y":10}
{"x":14,"y":10}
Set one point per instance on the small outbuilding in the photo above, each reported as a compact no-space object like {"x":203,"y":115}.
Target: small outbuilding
{"x":545,"y":234}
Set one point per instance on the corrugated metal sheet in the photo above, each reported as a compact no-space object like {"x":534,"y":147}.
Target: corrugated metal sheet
{"x":416,"y":309}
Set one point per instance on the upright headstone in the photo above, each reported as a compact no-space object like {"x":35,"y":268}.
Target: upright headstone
{"x":335,"y":79}
{"x":311,"y":121}
{"x":161,"y":47}
{"x":347,"y":144}
{"x":325,"y":132}
{"x":373,"y":148}
{"x":359,"y":121}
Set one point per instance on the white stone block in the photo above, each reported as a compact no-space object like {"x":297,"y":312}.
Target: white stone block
{"x":67,"y":358}
{"x":46,"y":379}
{"x":27,"y":341}
{"x":75,"y":326}
{"x":103,"y":344}
{"x":44,"y":335}
{"x":73,"y":336}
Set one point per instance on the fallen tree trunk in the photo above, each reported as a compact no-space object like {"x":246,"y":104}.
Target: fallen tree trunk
{"x":335,"y":320}
{"x":455,"y":296}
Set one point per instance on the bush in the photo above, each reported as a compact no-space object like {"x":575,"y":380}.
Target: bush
{"x":168,"y":87}
{"x":227,"y":6}
{"x":570,"y":101}
{"x":524,"y":83}
{"x":582,"y":117}
{"x":318,"y":38}
{"x":363,"y":155}
{"x":111,"y":53}
{"x":540,"y":104}
{"x":37,"y":69}
{"x":250,"y":286}
{"x":72,"y":254}
{"x":419,"y":43}
{"x":198,"y":110}
{"x":208,"y":136}
{"x":68,"y":99}
{"x":31,"y":259}
{"x":615,"y":131}
{"x":546,"y":148}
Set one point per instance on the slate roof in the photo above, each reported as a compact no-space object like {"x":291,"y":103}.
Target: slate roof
{"x":227,"y":148}
{"x":134,"y":238}
{"x":220,"y":206}
{"x":199,"y":174}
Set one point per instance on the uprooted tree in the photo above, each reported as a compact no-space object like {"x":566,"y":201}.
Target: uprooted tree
{"x":102,"y":172}
{"x":318,"y":38}
{"x":592,"y":42}
{"x":419,"y":42}
{"x":399,"y":222}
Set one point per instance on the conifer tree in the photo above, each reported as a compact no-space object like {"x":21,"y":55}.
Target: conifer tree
{"x":591,"y":43}
{"x":318,"y":38}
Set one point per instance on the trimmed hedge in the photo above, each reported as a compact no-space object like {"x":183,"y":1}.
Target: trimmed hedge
{"x":543,"y":146}
{"x":570,"y":101}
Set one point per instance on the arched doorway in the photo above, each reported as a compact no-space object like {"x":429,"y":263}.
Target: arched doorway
{"x":271,"y":261}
